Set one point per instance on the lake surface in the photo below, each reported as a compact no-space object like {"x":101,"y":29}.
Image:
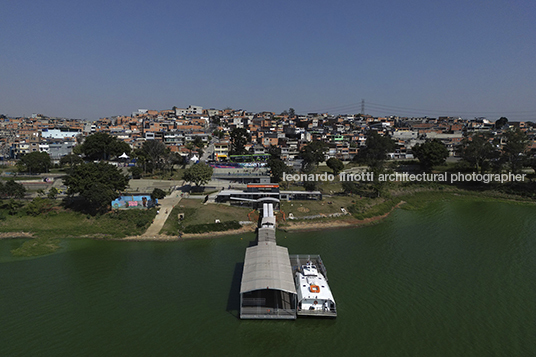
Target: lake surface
{"x":457,"y":278}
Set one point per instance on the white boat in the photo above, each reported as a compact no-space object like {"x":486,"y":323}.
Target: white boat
{"x":314,"y":295}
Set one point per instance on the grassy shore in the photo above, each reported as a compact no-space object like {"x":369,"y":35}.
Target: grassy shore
{"x":36,"y":247}
{"x":69,"y":224}
{"x":58,"y":223}
{"x":200,"y":218}
{"x":196,"y":213}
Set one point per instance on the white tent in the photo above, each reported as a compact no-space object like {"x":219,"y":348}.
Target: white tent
{"x":194,"y":159}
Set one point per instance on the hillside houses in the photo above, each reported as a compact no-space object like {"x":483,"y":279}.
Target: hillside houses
{"x":177,"y":127}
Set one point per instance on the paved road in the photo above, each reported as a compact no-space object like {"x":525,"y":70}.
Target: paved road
{"x":207,"y":154}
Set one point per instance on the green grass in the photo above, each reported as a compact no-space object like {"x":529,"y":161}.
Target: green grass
{"x":196,"y":213}
{"x":54,"y":222}
{"x":36,"y":247}
{"x":416,"y":200}
{"x":66,"y":224}
{"x":212,"y":227}
{"x":312,"y":208}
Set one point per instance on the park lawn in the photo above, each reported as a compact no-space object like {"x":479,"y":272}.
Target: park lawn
{"x":69,"y":224}
{"x":195,"y":212}
{"x":210,"y":212}
{"x":326,"y":206}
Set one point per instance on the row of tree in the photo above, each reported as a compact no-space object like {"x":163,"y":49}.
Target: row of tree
{"x":484,"y":152}
{"x":481,"y":152}
{"x":151,"y":157}
{"x":99,"y":183}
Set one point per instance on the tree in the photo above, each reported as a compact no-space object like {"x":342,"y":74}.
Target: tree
{"x":335,"y":164}
{"x":71,"y":160}
{"x":190,"y":147}
{"x":38,"y":206}
{"x":277,"y":168}
{"x":215,"y":120}
{"x":52,"y":193}
{"x":313,"y":153}
{"x":136,"y":172}
{"x":158,"y":194}
{"x":532,"y":163}
{"x":291,"y":113}
{"x":198,"y":142}
{"x":142,"y":160}
{"x":376,"y":149}
{"x":501,"y":122}
{"x":514,"y":152}
{"x":174,"y":158}
{"x":155,"y":151}
{"x":34,"y":162}
{"x":218,"y":133}
{"x":102,"y":146}
{"x":351,"y":187}
{"x":12,"y":189}
{"x":275,"y":152}
{"x":311,"y":185}
{"x":477,"y":150}
{"x":431,"y":153}
{"x":199,"y":174}
{"x":150,"y":156}
{"x":13,"y":207}
{"x":99,"y":184}
{"x":239,"y":138}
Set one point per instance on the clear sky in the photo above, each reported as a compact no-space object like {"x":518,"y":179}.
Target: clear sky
{"x":91,"y":59}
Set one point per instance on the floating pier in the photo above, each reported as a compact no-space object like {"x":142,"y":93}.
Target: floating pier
{"x":267,"y":290}
{"x":268,"y":287}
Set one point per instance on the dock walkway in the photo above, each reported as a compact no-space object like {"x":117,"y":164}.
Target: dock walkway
{"x":267,"y":290}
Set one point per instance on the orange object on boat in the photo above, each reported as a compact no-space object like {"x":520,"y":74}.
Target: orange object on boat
{"x":315,"y":288}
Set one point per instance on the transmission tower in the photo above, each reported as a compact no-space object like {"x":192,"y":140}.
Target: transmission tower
{"x":362,"y":106}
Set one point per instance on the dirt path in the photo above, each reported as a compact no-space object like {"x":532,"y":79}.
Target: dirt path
{"x":166,"y":206}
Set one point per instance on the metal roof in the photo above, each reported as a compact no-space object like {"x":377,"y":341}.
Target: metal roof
{"x":267,"y":266}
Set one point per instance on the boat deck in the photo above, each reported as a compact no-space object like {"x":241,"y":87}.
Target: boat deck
{"x":296,"y":262}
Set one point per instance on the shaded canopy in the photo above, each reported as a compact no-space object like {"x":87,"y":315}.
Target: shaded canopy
{"x":267,"y":266}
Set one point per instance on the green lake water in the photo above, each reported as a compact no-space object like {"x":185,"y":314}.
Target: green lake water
{"x":457,"y":278}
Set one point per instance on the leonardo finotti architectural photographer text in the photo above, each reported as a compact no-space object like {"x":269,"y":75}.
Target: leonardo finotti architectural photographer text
{"x":407,"y":177}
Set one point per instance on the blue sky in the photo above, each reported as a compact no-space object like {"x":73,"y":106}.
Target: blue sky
{"x":91,"y":59}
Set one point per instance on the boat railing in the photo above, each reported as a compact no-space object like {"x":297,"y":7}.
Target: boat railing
{"x":324,"y":313}
{"x":267,"y":312}
{"x":298,"y":260}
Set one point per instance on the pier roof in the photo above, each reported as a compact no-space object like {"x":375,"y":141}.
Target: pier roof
{"x":267,"y":266}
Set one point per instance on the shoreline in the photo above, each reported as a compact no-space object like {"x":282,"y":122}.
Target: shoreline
{"x":299,"y":225}
{"x":289,"y":226}
{"x":304,"y":226}
{"x":187,"y":236}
